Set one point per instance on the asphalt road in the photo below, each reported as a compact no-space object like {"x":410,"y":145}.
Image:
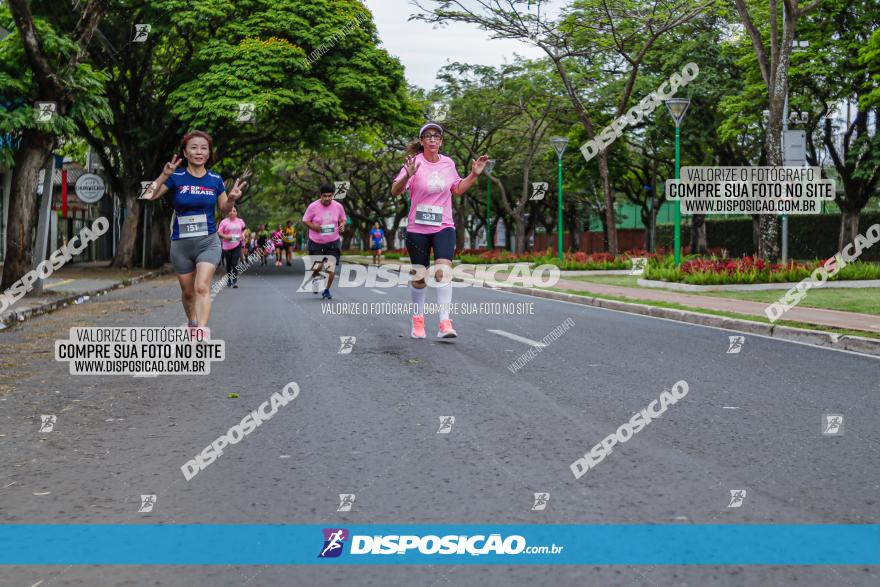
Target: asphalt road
{"x":366,"y":423}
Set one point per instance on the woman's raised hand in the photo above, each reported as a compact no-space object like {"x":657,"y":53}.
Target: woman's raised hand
{"x":411,"y":166}
{"x":172,"y":165}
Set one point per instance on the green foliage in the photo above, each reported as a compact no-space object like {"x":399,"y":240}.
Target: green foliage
{"x":810,"y":236}
{"x":664,"y":269}
{"x":260,"y":53}
{"x":19,"y":90}
{"x":870,"y":58}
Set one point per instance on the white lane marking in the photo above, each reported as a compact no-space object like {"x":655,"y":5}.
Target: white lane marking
{"x":38,"y":583}
{"x":379,"y":291}
{"x":680,"y":322}
{"x":518,"y":338}
{"x":729,"y":408}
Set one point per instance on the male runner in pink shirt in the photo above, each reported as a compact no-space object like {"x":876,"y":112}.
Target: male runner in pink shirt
{"x":325,"y":219}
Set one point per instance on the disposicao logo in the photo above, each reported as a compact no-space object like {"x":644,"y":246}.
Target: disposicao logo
{"x":334,"y":540}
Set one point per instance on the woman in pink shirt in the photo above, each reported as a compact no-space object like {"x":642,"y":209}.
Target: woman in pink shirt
{"x":230,"y":231}
{"x":278,"y":239}
{"x":432,"y":180}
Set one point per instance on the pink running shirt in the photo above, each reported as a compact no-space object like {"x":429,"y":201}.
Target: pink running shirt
{"x":326,"y":216}
{"x":430,"y":188}
{"x":231,"y":228}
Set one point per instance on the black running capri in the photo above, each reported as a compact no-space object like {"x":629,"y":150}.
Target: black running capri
{"x":325,"y":249}
{"x":419,"y":246}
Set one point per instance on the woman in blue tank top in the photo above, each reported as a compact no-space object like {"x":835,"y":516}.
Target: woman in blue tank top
{"x":195,"y":193}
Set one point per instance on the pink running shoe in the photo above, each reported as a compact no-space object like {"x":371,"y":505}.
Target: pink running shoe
{"x":446,"y":329}
{"x":418,"y":327}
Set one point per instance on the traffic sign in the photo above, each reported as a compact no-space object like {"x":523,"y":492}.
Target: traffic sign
{"x":89,"y":188}
{"x":795,"y":143}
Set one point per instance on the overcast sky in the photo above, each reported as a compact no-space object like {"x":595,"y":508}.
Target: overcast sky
{"x":423,"y":50}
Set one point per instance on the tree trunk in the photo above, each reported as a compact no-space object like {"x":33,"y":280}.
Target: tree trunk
{"x":777,"y":86}
{"x":160,"y":237}
{"x":604,"y":220}
{"x":127,"y":250}
{"x":459,"y":214}
{"x":699,"y":243}
{"x":346,"y":239}
{"x":610,"y":220}
{"x":768,"y":245}
{"x":520,"y":234}
{"x":35,"y":148}
{"x":849,"y":227}
{"x":756,"y":233}
{"x":459,"y":236}
{"x":574,"y":226}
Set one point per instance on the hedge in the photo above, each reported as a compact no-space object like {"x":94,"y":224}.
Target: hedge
{"x":810,"y":237}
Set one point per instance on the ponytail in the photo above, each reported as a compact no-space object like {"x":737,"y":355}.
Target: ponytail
{"x":414,"y":147}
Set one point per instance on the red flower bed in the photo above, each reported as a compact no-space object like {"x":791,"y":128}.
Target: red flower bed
{"x":731,"y":266}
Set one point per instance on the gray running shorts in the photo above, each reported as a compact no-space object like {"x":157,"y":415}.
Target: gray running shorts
{"x":186,"y":252}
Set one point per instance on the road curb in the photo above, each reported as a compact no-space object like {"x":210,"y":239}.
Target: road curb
{"x":782,"y":286}
{"x":17,"y":317}
{"x":859,"y":344}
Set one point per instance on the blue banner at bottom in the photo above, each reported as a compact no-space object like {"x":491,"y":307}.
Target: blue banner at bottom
{"x":607,"y":544}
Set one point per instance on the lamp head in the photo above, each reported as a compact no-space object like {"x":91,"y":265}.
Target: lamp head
{"x":677,"y":108}
{"x":559,"y":144}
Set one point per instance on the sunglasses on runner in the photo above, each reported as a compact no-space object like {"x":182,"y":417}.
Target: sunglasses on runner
{"x":432,"y":137}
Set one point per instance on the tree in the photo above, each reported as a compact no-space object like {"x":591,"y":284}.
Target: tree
{"x":593,"y":42}
{"x":42,"y":61}
{"x":311,"y":70}
{"x":773,"y":64}
{"x":362,"y":159}
{"x":829,"y":72}
{"x":507,"y":112}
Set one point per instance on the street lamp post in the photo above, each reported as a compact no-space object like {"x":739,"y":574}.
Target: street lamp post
{"x":785,"y":136}
{"x":559,"y":144}
{"x":488,"y":171}
{"x":677,"y":108}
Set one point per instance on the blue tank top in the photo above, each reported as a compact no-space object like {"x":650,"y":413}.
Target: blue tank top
{"x":194,"y":200}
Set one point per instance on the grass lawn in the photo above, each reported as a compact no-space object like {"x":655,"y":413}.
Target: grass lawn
{"x":840,"y":331}
{"x":623,"y":280}
{"x":862,"y":300}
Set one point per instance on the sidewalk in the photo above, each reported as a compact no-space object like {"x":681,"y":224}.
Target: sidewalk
{"x":812,"y":316}
{"x":73,"y":284}
{"x":829,"y":318}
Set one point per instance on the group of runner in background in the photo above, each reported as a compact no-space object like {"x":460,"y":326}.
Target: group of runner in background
{"x":199,"y":244}
{"x":279,"y":242}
